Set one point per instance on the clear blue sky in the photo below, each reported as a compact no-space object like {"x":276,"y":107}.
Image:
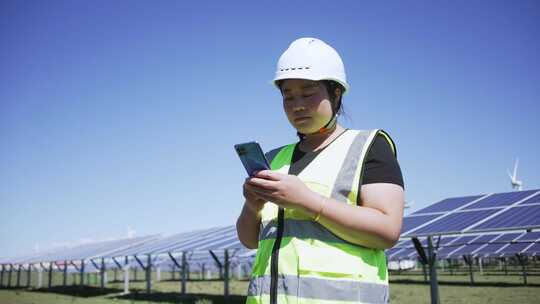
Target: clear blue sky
{"x":117,"y":113}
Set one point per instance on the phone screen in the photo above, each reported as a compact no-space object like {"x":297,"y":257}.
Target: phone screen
{"x":252,"y":157}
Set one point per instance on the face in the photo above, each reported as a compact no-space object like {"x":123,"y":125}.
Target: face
{"x":306,"y":104}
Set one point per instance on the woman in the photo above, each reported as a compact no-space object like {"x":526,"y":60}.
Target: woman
{"x":332,"y":202}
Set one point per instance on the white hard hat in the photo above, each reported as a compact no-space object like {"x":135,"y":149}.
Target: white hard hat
{"x":313,"y":59}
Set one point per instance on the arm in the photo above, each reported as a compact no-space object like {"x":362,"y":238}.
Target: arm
{"x":247,"y":226}
{"x":376,"y":224}
{"x":248,"y":223}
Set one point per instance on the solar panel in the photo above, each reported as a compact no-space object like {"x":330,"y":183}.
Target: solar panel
{"x":411,"y":222}
{"x":445,"y":241}
{"x":392,"y":251}
{"x":402,"y":254}
{"x":533,"y":250}
{"x":448,"y":204}
{"x":507,"y":237}
{"x":479,"y":213}
{"x":215,"y":241}
{"x":489,"y":250}
{"x":478,"y":245}
{"x":501,"y":199}
{"x":514,"y":217}
{"x":91,"y":250}
{"x":513,"y":249}
{"x":166,"y":244}
{"x":467,"y":249}
{"x":444,"y":252}
{"x":454,"y":222}
{"x":529,"y":237}
{"x":486,"y":238}
{"x":533,"y":200}
{"x":462,"y":240}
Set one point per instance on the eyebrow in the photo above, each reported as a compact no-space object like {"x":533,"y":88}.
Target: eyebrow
{"x":307,"y":86}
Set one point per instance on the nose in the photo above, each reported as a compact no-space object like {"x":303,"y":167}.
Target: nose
{"x":298,"y":104}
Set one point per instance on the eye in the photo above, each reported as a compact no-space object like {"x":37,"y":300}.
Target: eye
{"x":287,"y":98}
{"x":307,"y":95}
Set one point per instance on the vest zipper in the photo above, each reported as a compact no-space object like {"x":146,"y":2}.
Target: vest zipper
{"x":274,"y":260}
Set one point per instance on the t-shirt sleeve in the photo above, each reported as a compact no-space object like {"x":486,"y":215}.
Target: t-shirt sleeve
{"x":381,"y":165}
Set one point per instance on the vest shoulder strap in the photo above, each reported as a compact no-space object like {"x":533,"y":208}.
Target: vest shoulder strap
{"x":389,"y":140}
{"x":281,"y":156}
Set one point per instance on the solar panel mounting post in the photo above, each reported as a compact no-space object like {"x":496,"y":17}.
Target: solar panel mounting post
{"x":480,"y":266}
{"x":523,"y":261}
{"x":81,"y":283}
{"x":40,"y":275}
{"x":19,"y":276}
{"x":50,"y":274}
{"x":64,"y":283}
{"x":432,"y":258}
{"x":218,"y":263}
{"x":125,"y":269}
{"x":28,"y":275}
{"x":148,"y":271}
{"x":226,"y":282}
{"x":2,"y":276}
{"x":102,"y":273}
{"x":9,"y":274}
{"x":421,"y":255}
{"x":184,"y":272}
{"x":469,"y":261}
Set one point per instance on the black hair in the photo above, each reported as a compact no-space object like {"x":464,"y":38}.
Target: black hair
{"x":331,"y":86}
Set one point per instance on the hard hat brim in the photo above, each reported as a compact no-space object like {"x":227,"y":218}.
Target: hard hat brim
{"x":301,"y":75}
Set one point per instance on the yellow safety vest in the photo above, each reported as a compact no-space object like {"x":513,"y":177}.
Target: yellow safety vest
{"x":299,"y":260}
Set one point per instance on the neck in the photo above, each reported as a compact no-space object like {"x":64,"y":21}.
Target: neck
{"x":316,"y":141}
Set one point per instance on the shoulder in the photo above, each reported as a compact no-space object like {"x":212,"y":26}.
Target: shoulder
{"x":376,"y":139}
{"x":282,"y":151}
{"x":381,"y":165}
{"x":270,"y":155}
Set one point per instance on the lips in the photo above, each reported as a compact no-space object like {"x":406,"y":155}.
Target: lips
{"x":301,"y":118}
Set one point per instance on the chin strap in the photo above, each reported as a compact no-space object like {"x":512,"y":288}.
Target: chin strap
{"x":327,"y":128}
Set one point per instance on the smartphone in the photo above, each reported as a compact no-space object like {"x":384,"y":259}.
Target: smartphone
{"x":252,"y":157}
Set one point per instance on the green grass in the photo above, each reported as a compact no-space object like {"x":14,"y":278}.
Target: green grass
{"x":495,"y":288}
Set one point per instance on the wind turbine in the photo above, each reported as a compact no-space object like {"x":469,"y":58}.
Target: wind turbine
{"x":516,"y":184}
{"x":408,"y":204}
{"x":130,"y":232}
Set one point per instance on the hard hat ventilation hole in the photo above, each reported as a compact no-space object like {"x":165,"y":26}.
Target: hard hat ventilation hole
{"x":297,"y":68}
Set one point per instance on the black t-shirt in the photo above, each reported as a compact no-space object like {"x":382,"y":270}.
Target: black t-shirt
{"x":381,"y":166}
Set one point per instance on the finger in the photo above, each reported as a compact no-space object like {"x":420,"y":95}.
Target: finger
{"x":258,"y":190}
{"x":262,"y":183}
{"x":269,"y":174}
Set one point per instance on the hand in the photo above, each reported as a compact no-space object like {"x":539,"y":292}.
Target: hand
{"x":253,"y":202}
{"x":282,"y":189}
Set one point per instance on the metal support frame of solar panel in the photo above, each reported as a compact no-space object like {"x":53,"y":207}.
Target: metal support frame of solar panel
{"x":219,"y":238}
{"x":481,"y":213}
{"x":164,"y":244}
{"x":85,"y":251}
{"x":478,"y":245}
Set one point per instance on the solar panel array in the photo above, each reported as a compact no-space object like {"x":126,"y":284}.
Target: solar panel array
{"x":481,"y":245}
{"x":459,"y":215}
{"x":491,"y":212}
{"x":217,"y":239}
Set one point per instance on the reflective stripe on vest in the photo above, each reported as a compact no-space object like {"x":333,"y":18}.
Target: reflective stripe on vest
{"x":316,"y":266}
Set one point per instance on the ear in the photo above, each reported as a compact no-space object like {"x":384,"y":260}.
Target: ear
{"x":337,"y":93}
{"x":337,"y":100}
